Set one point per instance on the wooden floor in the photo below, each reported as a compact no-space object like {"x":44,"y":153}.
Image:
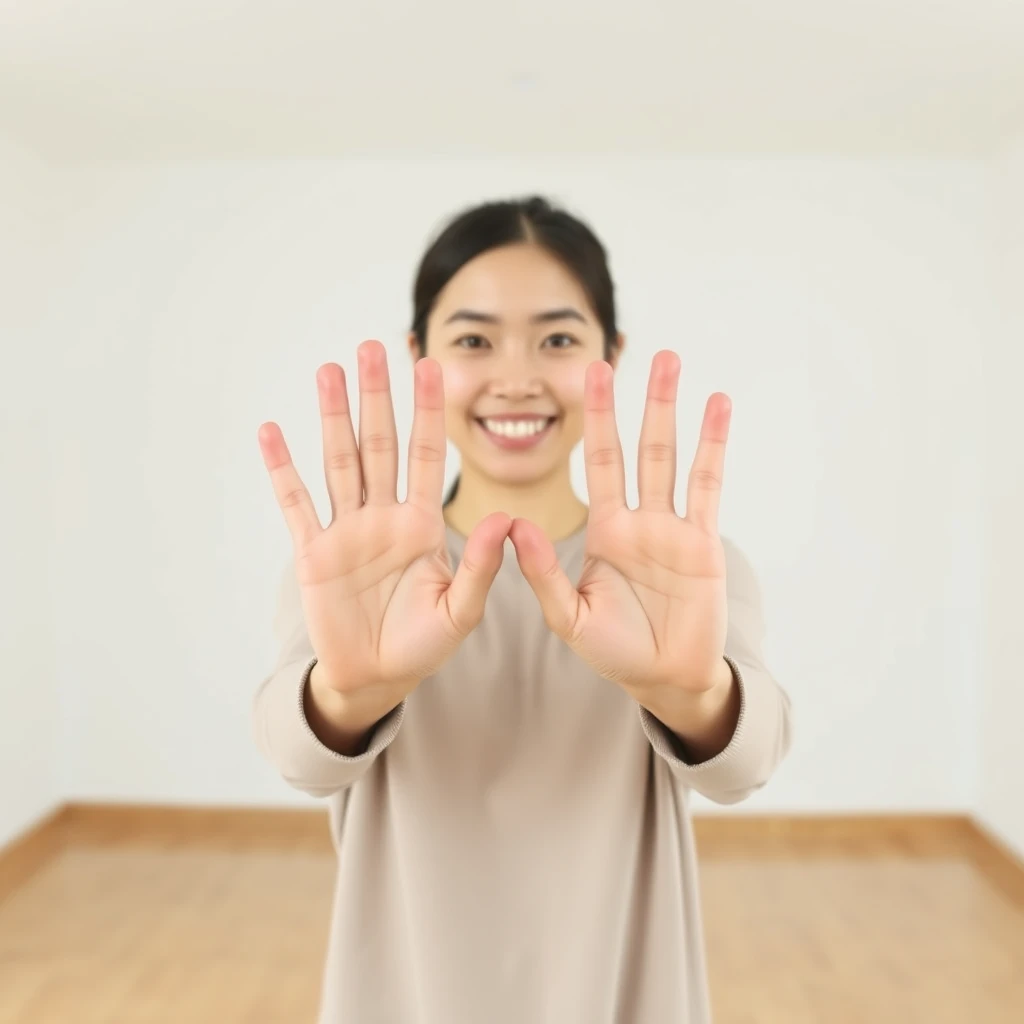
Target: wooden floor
{"x":139,"y":917}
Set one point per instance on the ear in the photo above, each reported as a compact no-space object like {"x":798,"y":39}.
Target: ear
{"x":620,"y":344}
{"x":414,"y":347}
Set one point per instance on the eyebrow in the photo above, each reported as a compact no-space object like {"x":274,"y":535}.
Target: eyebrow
{"x":548,"y":316}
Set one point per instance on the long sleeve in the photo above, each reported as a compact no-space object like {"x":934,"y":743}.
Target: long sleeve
{"x":280,"y":729}
{"x":763,"y":731}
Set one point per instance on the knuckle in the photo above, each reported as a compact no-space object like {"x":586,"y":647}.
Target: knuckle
{"x":569,"y":629}
{"x":292,"y":497}
{"x":461,"y":622}
{"x":426,"y":451}
{"x":385,"y":443}
{"x":606,"y":456}
{"x":343,"y":460}
{"x":462,"y":625}
{"x":704,"y":478}
{"x":655,"y":451}
{"x":552,"y":571}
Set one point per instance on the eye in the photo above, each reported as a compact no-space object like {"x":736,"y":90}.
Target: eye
{"x":464,"y":341}
{"x":567,"y":338}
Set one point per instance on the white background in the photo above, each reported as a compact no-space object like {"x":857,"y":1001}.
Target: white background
{"x":165,"y":293}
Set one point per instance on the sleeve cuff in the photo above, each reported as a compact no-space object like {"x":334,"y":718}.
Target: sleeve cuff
{"x":303,"y":760}
{"x":751,"y":754}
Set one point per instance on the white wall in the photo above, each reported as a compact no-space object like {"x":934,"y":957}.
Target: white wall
{"x":28,"y":700}
{"x":1000,"y":748}
{"x":843,"y":306}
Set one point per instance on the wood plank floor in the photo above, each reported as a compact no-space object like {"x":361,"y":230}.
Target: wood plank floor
{"x":124,"y":919}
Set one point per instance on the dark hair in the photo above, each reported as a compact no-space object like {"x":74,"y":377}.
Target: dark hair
{"x":495,"y":224}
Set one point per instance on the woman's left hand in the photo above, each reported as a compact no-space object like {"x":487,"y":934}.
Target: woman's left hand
{"x":650,"y":610}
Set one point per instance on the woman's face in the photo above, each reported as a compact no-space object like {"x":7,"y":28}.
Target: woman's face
{"x":513,"y":331}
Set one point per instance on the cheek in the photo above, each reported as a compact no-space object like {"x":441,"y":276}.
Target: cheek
{"x":567,"y":385}
{"x":460,"y":388}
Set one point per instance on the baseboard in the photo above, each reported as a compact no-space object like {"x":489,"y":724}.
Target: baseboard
{"x":921,"y":834}
{"x":25,"y":854}
{"x":220,"y":827}
{"x":719,"y":836}
{"x":1000,"y":864}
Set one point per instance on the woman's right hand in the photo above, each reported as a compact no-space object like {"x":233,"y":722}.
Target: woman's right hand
{"x":382,"y":607}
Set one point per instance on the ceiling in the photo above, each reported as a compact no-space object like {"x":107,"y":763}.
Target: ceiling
{"x":226,"y":78}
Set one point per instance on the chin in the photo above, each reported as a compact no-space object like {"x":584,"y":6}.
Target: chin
{"x":527,"y":473}
{"x":522,"y":477}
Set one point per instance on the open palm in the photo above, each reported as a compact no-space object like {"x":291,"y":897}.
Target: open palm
{"x":381,"y":603}
{"x":650,"y":606}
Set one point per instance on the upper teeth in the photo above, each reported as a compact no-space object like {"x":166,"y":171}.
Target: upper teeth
{"x":515,"y":428}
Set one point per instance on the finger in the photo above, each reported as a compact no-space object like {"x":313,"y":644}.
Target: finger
{"x":558,"y":598}
{"x":481,"y":559}
{"x":378,"y":437}
{"x":427,"y":443}
{"x":341,"y":456}
{"x":602,"y":451}
{"x":656,"y":466}
{"x":292,"y":496}
{"x":704,"y":488}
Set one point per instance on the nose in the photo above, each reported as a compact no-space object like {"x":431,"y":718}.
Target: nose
{"x":516,"y":388}
{"x":515,"y":379}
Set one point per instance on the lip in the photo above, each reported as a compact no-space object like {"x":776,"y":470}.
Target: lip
{"x":512,"y":416}
{"x":516,"y":444}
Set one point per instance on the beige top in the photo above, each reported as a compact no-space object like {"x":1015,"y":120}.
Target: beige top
{"x":515,"y":846}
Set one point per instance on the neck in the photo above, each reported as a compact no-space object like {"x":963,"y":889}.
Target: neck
{"x":550,"y":504}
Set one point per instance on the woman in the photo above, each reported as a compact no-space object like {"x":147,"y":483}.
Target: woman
{"x":508,"y":696}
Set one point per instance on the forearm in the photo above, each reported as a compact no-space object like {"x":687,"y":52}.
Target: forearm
{"x":703,"y":722}
{"x":343,"y":723}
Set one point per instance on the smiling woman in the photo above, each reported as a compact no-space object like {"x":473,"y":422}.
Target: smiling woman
{"x":508,"y":742}
{"x":513,"y":299}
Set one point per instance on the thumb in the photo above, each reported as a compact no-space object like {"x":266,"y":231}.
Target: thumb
{"x":480,"y":562}
{"x":559,"y":599}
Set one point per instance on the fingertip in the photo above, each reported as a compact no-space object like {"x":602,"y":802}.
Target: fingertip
{"x":370,"y":350}
{"x":671,"y":365}
{"x":502,"y":524}
{"x":598,"y":386}
{"x":430,"y":371}
{"x":526,"y":537}
{"x":326,"y":371}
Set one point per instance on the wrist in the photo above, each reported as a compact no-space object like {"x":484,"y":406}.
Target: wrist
{"x":703,"y":720}
{"x":343,"y":721}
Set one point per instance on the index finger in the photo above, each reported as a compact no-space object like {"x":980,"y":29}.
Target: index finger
{"x":602,"y":450}
{"x":428,"y":443}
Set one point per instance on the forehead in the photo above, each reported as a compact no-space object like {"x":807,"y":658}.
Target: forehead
{"x":510,"y":282}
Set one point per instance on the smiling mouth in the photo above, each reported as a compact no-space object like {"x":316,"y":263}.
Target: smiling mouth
{"x":517,"y":434}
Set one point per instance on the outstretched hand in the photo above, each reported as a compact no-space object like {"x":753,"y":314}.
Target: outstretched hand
{"x":650,"y":610}
{"x":381,"y":602}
